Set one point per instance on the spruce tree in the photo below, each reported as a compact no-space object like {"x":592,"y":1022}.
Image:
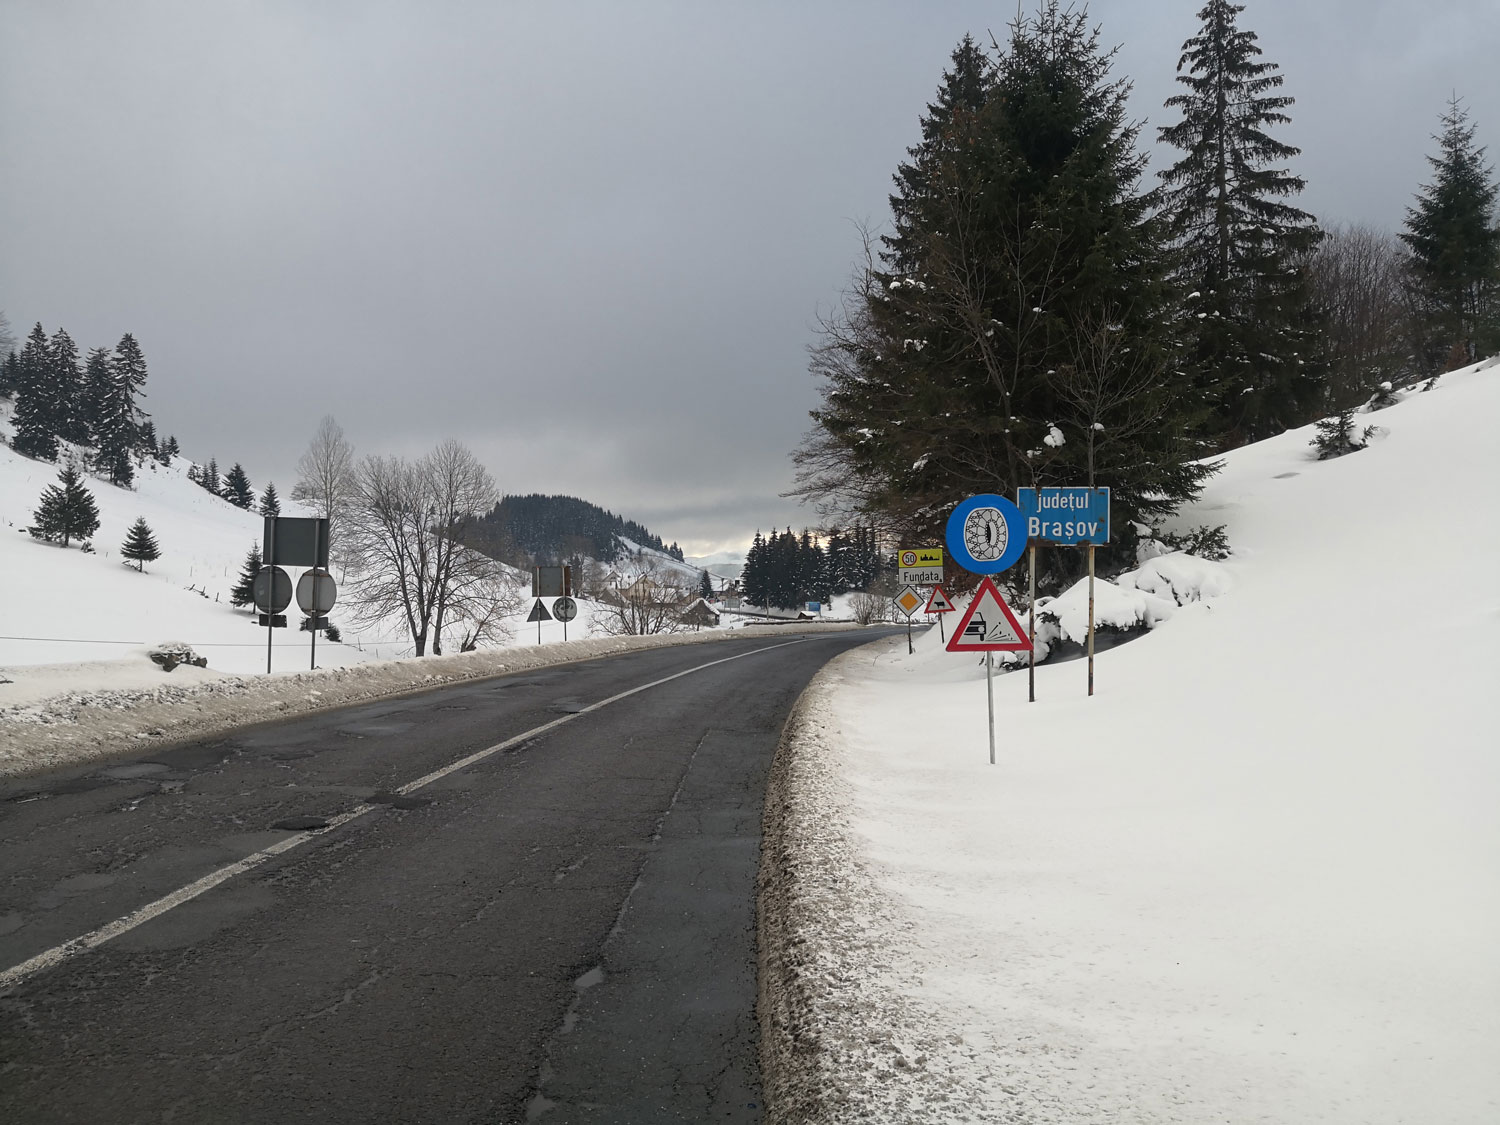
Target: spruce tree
{"x":1455,"y":248}
{"x":72,"y":418}
{"x":270,"y":505}
{"x":10,"y":375}
{"x":7,"y":346}
{"x":130,"y":371}
{"x":116,"y":428}
{"x":169,"y":449}
{"x":146,"y":443}
{"x":1337,"y":435}
{"x":1244,"y":250}
{"x":67,"y":512}
{"x":705,"y":585}
{"x":140,"y":545}
{"x":36,"y":400}
{"x":237,"y":488}
{"x":1020,"y":232}
{"x":243,"y":593}
{"x":97,"y":379}
{"x":208,"y":477}
{"x":753,"y":575}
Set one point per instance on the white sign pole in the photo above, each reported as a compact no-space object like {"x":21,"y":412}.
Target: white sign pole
{"x":271,"y":596}
{"x":1031,"y":631}
{"x":989,"y":690}
{"x":1091,"y":619}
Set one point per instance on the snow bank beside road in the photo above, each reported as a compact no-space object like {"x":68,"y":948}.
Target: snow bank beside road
{"x":1255,"y":878}
{"x":60,"y":714}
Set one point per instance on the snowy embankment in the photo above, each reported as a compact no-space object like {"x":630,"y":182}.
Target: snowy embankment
{"x":64,"y":714}
{"x":1255,"y":878}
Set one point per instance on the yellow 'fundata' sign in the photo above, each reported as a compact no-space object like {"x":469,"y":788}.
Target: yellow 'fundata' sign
{"x":921,"y":566}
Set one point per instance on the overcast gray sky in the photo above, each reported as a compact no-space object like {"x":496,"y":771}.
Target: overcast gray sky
{"x":590,"y":240}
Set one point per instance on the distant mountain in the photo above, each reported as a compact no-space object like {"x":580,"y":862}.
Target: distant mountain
{"x":523,"y":530}
{"x":725,"y":564}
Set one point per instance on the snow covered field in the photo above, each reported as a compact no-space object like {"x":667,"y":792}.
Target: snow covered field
{"x":1256,"y":878}
{"x":62,"y":606}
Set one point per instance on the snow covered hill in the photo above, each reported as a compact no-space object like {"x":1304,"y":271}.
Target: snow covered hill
{"x":63,"y":605}
{"x":1255,"y":878}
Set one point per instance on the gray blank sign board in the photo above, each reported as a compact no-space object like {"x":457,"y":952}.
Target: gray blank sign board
{"x":296,"y":541}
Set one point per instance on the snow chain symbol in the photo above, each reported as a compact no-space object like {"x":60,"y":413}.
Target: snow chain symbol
{"x":986,"y":534}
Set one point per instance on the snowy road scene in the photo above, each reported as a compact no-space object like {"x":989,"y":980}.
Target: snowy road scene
{"x":830,"y":564}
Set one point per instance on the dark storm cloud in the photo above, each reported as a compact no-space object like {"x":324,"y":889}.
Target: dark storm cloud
{"x":589,"y":240}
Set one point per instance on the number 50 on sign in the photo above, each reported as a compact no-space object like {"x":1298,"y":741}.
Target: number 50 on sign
{"x":920,"y":566}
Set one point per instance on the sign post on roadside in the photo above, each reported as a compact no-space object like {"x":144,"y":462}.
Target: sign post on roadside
{"x":908,"y":601}
{"x":1068,"y":517}
{"x":293,"y":541}
{"x":564,"y":609}
{"x":539,"y":614}
{"x":939,"y":604}
{"x":316,"y":594}
{"x":989,"y":626}
{"x":920,"y":566}
{"x":986,"y":534}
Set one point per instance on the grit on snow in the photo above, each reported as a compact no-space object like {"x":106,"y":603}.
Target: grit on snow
{"x":1255,"y":878}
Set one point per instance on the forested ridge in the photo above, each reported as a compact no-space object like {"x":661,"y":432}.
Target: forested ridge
{"x":523,"y":530}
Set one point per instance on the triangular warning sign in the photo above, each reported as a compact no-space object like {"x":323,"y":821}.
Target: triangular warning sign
{"x":988,"y":625}
{"x":938,"y":602}
{"x":539,"y":612}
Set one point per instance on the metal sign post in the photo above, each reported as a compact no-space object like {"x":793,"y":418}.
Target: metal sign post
{"x":989,"y":626}
{"x":293,"y":541}
{"x":539,"y":614}
{"x":564,"y":609}
{"x":987,"y":534}
{"x":939,"y":604}
{"x":1091,"y":619}
{"x":270,"y":560}
{"x":989,"y":691}
{"x":316,"y":594}
{"x":908,"y":601}
{"x":1072,"y":517}
{"x":1031,"y":631}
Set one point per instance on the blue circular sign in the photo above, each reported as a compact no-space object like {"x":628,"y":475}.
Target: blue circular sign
{"x":986,"y":534}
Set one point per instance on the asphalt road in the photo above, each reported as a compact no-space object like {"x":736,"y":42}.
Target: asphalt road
{"x":559,"y":931}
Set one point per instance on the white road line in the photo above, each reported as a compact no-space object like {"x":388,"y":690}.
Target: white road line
{"x":95,"y":938}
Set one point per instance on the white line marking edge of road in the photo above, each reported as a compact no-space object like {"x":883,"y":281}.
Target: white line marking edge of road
{"x":47,"y":959}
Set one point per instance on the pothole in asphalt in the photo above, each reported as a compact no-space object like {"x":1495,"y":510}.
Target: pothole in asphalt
{"x":134,"y":770}
{"x":570,"y":708}
{"x":398,"y":800}
{"x":74,"y":785}
{"x":301,"y":823}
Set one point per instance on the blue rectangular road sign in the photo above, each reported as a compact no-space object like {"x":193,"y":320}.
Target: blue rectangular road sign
{"x":1067,"y":516}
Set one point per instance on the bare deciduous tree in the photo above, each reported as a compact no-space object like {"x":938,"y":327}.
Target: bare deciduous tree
{"x":325,"y":479}
{"x":648,"y":598}
{"x":406,"y":523}
{"x":1106,"y":389}
{"x":1357,"y":276}
{"x":870,"y":609}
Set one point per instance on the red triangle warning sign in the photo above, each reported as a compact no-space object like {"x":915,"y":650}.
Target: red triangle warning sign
{"x":988,"y":625}
{"x":938,"y":602}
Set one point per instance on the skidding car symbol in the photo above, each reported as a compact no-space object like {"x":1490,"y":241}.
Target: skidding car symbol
{"x":976,"y":628}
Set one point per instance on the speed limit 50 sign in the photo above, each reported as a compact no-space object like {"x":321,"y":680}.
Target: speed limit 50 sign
{"x":920,"y":566}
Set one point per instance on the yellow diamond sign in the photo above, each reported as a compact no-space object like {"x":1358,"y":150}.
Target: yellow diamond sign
{"x":908,"y":601}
